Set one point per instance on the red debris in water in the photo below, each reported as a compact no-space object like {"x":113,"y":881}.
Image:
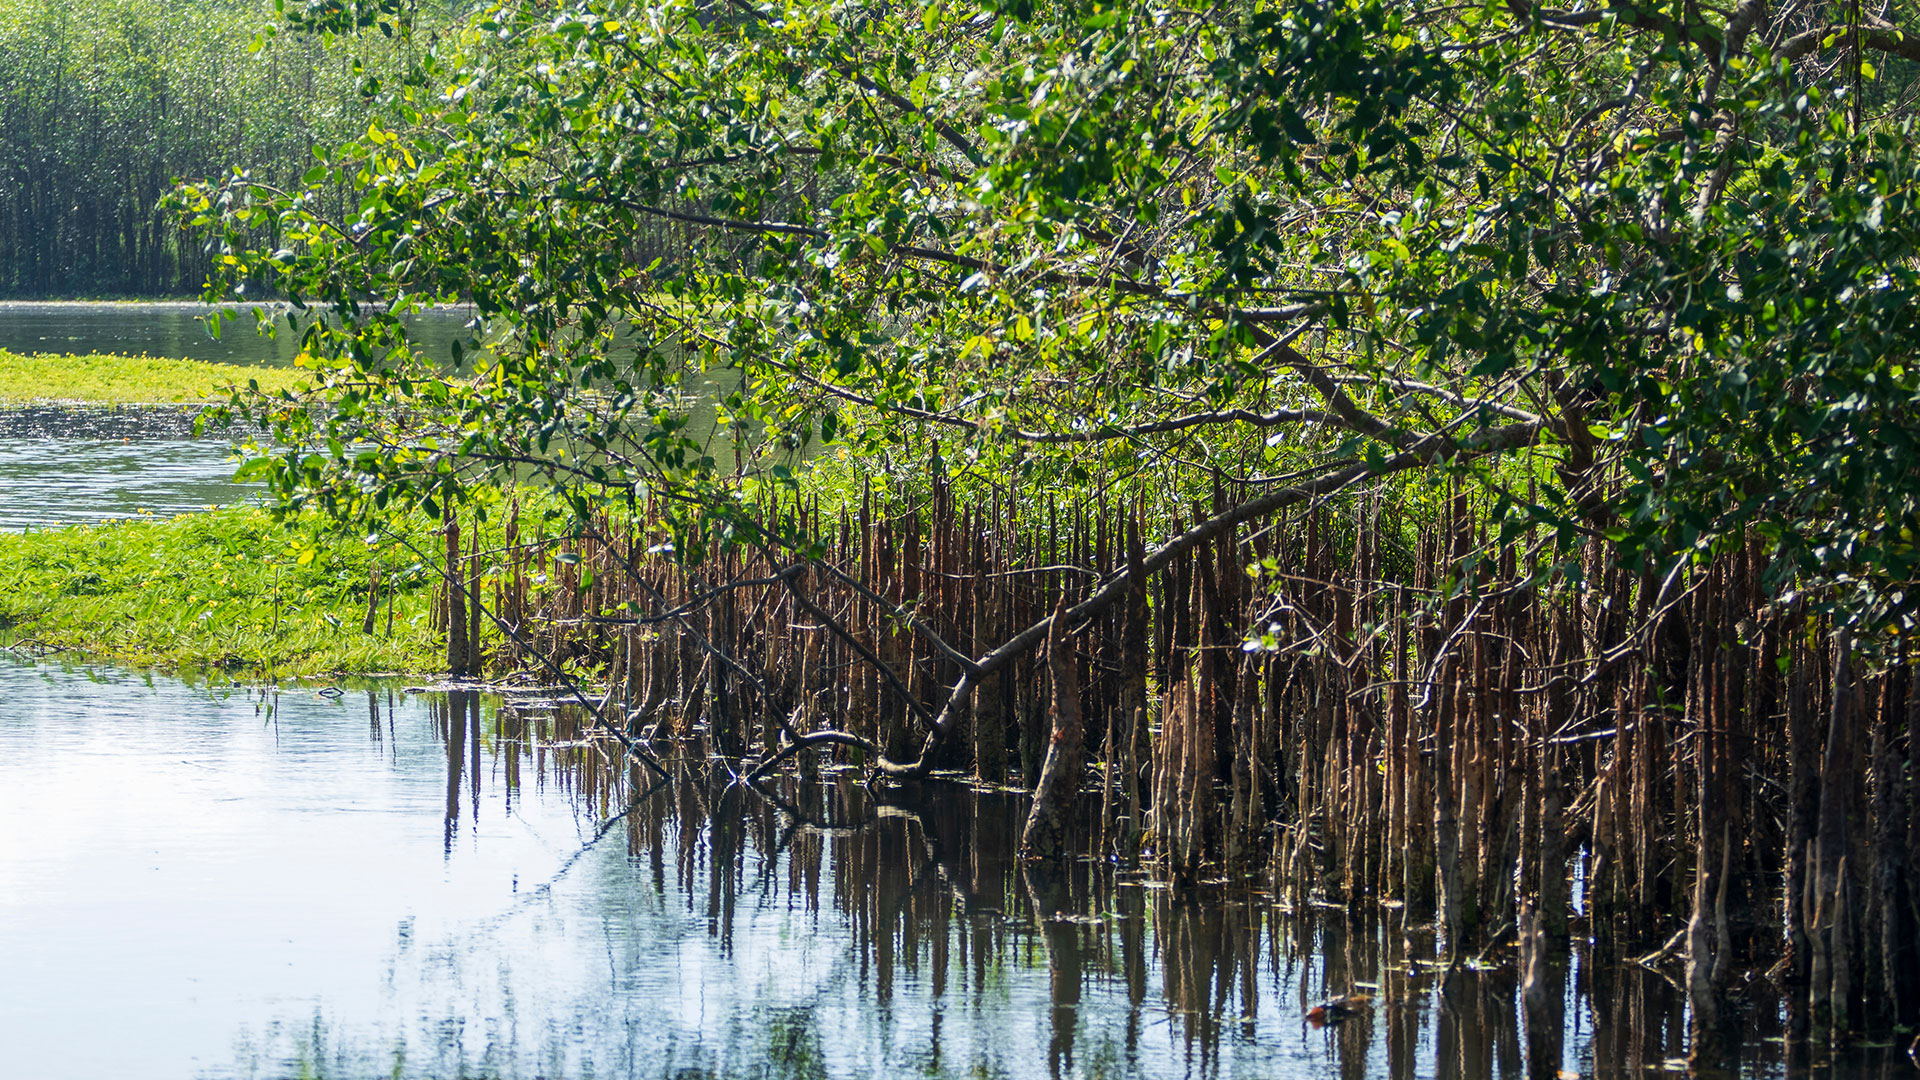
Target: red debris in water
{"x":1337,"y":1008}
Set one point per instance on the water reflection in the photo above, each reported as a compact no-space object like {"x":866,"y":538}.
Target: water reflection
{"x":67,"y":464}
{"x":447,"y":884}
{"x":63,"y":465}
{"x":179,"y":330}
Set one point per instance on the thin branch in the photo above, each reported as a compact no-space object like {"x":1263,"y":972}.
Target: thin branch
{"x":811,"y":739}
{"x":840,"y":630}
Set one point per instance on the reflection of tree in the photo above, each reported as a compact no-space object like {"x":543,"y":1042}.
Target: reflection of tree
{"x":1542,"y":994}
{"x":793,"y":1044}
{"x":1639,"y":1020}
{"x":453,"y":718}
{"x":1047,"y":888}
{"x":1476,"y":1029}
{"x":926,"y":877}
{"x":1350,"y":950}
{"x":1208,"y":949}
{"x":941,"y":920}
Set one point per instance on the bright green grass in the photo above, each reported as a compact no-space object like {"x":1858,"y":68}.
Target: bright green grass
{"x":110,"y":379}
{"x":219,"y":590}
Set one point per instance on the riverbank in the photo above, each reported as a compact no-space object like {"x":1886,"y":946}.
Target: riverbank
{"x":108,"y":379}
{"x":226,"y":590}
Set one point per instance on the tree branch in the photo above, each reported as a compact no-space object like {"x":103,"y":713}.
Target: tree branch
{"x":1877,"y":34}
{"x":1426,"y":451}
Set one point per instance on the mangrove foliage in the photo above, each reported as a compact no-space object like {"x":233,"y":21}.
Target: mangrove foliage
{"x":1378,"y":445}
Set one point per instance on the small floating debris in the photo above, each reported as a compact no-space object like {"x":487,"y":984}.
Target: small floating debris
{"x":1337,"y":1008}
{"x":1073,"y":919}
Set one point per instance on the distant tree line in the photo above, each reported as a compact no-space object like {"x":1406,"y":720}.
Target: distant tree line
{"x":105,"y":104}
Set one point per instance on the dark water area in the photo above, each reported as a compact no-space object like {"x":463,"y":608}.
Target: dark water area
{"x":179,"y":331}
{"x":101,"y":423}
{"x":215,"y":883}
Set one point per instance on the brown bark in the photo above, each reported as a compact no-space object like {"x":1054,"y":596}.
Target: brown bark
{"x":476,"y":615}
{"x":1046,"y":831}
{"x":1888,"y":866}
{"x":1803,"y":803}
{"x":989,"y":715}
{"x":1832,"y":937}
{"x":1910,"y":893}
{"x":1706,"y":1045}
{"x":1445,"y":828}
{"x":458,"y":663}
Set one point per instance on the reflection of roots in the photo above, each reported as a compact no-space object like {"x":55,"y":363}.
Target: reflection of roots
{"x":544,"y":889}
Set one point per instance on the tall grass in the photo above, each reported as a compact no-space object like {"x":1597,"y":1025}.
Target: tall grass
{"x":105,"y":104}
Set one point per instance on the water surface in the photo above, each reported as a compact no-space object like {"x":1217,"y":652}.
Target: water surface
{"x":378,"y":883}
{"x":68,"y":465}
{"x":179,"y":331}
{"x":63,"y":465}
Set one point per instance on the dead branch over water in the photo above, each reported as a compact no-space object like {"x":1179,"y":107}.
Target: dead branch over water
{"x":1374,"y":714}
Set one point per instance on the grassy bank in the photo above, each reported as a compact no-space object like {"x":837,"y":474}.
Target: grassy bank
{"x":227,"y":590}
{"x":110,"y":379}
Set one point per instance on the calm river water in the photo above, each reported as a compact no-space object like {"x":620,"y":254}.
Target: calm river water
{"x":68,"y":465}
{"x":383,"y":883}
{"x":64,"y":466}
{"x":180,"y":330}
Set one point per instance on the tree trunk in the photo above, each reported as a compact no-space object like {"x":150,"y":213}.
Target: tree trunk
{"x":1910,"y":894}
{"x":1803,"y":799}
{"x":989,"y":717}
{"x":1045,"y":834}
{"x":1445,"y":827}
{"x":458,"y":663}
{"x":1706,"y":1045}
{"x":1831,"y":932}
{"x":1889,"y":865}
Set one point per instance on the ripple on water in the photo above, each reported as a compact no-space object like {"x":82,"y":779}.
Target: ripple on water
{"x":67,"y":465}
{"x":179,"y":329}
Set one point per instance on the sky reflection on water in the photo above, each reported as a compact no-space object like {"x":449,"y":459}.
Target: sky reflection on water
{"x":68,"y":480}
{"x":436,"y":885}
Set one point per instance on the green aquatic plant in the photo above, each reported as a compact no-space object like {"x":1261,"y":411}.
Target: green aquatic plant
{"x":227,"y":590}
{"x":1616,"y":303}
{"x":110,"y":379}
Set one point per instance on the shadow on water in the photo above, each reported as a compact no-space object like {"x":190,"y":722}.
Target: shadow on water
{"x":449,"y":884}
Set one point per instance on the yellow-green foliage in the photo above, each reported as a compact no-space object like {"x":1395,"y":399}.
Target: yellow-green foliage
{"x":120,"y":379}
{"x":225,"y":589}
